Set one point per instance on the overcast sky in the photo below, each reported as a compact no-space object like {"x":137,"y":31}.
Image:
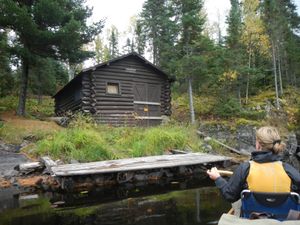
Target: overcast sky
{"x":118,"y":12}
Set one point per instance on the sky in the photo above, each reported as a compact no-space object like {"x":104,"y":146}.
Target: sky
{"x":115,"y":12}
{"x":118,"y":12}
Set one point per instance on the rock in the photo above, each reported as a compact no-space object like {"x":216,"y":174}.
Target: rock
{"x":207,"y":139}
{"x":9,"y":147}
{"x":73,"y":161}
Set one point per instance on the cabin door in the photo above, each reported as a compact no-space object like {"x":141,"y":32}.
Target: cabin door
{"x":147,"y":104}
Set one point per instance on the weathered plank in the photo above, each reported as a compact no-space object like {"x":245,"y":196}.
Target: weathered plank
{"x":133,"y":164}
{"x":48,"y":162}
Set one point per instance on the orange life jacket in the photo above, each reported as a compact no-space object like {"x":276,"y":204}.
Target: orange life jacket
{"x":268,"y":177}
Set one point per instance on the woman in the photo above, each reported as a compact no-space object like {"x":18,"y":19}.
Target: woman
{"x":264,"y":173}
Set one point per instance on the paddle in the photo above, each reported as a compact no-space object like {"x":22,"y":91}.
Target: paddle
{"x":225,"y":172}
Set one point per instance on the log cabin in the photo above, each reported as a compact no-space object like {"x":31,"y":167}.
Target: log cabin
{"x":125,"y":91}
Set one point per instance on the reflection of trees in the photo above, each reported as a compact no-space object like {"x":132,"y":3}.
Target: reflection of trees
{"x":187,"y":207}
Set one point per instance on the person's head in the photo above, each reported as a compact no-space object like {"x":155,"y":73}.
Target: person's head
{"x":268,"y":138}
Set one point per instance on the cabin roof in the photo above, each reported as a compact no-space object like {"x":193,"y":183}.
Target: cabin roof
{"x":78,"y":77}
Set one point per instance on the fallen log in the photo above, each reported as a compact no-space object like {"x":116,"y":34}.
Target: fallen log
{"x":226,"y":146}
{"x":29,"y":167}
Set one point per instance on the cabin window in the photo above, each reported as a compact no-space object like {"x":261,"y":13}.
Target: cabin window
{"x":113,"y":88}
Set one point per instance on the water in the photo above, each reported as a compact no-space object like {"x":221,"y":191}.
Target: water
{"x":183,"y":203}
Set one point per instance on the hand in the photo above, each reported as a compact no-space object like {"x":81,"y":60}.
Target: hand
{"x":213,"y":173}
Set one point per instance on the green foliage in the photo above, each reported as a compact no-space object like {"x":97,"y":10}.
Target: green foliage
{"x":203,"y":106}
{"x":252,"y":115}
{"x":103,"y":142}
{"x":227,"y":107}
{"x":47,"y":76}
{"x":34,"y":109}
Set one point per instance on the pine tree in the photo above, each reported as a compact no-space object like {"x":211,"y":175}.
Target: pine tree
{"x":190,"y":61}
{"x":235,"y":51}
{"x":47,"y":28}
{"x":7,"y":80}
{"x":113,"y":42}
{"x":155,"y":27}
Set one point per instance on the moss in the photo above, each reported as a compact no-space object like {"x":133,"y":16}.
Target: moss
{"x":242,"y":121}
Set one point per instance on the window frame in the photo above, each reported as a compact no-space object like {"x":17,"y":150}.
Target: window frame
{"x":113,"y":83}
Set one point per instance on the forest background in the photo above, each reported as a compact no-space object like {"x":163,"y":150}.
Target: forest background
{"x":239,"y":76}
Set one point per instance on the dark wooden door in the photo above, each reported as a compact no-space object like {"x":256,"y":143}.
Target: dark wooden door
{"x":147,"y":104}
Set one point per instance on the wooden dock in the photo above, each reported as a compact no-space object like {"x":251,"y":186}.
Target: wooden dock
{"x":137,"y":164}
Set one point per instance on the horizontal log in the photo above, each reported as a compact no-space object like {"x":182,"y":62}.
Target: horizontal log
{"x":226,"y":146}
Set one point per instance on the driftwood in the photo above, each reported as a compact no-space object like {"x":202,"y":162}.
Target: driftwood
{"x":34,"y":166}
{"x":226,"y":146}
{"x":48,"y":163}
{"x":29,"y":167}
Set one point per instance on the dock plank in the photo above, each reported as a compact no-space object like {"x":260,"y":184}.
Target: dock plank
{"x":132,"y":164}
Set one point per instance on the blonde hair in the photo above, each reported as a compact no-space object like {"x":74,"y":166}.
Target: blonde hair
{"x":269,"y":139}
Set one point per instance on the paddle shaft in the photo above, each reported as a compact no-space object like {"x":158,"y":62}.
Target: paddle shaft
{"x":225,"y":172}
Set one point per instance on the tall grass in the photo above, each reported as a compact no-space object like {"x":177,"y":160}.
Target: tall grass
{"x":99,"y":142}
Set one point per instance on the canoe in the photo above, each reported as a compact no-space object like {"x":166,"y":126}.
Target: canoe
{"x":227,"y":219}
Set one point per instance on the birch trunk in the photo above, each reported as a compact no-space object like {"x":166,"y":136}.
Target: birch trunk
{"x":279,"y":71}
{"x":248,"y":77}
{"x":190,"y":93}
{"x":275,"y":73}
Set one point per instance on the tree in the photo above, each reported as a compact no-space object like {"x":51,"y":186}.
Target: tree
{"x":191,"y":25}
{"x":156,"y":28}
{"x":46,"y":77}
{"x":7,"y":80}
{"x":47,"y":28}
{"x":254,"y":36}
{"x":281,"y":20}
{"x":113,"y":42}
{"x":235,"y":50}
{"x":139,"y":38}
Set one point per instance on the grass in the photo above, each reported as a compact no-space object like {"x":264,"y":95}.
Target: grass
{"x":99,"y":142}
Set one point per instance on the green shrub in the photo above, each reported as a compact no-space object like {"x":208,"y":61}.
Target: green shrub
{"x":252,"y":115}
{"x":227,"y":107}
{"x":33,"y":108}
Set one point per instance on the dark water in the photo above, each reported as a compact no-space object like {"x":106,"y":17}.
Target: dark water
{"x":185,"y":203}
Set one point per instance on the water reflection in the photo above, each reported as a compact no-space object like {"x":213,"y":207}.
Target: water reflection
{"x":186,"y":203}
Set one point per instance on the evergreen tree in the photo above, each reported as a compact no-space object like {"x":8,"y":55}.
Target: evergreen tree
{"x":281,"y":21}
{"x":46,"y":77}
{"x":156,"y":27}
{"x":99,"y":49}
{"x":113,"y":42}
{"x":235,"y":50}
{"x":139,"y":38}
{"x":190,"y":59}
{"x":7,"y":80}
{"x":47,"y":28}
